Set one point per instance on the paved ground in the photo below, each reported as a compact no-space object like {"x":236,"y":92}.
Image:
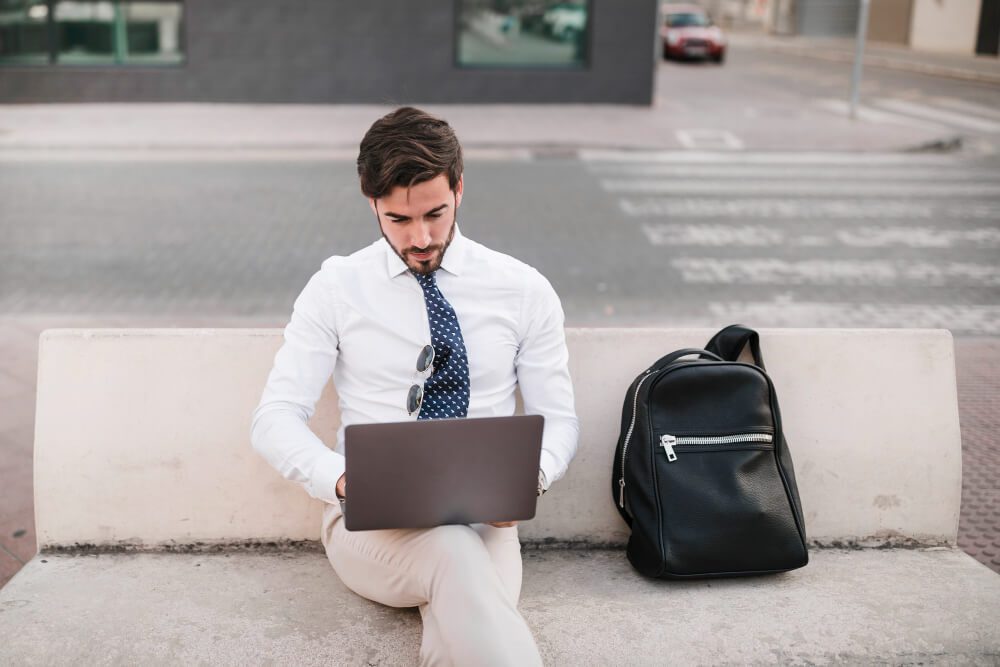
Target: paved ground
{"x":216,"y":216}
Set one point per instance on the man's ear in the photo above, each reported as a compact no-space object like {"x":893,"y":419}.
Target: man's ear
{"x":371,"y":205}
{"x":458,"y":190}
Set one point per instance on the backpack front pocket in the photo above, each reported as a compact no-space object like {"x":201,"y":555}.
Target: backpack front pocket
{"x":722,"y":500}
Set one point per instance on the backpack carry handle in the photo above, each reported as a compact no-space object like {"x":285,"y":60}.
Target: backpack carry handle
{"x":663,"y":362}
{"x":729,"y":343}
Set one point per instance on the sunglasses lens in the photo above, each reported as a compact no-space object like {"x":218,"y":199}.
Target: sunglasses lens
{"x":425,"y":359}
{"x":414,"y":398}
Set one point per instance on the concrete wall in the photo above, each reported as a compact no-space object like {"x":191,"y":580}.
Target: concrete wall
{"x":889,"y":21}
{"x":826,"y":18}
{"x":947,"y":26}
{"x":378,"y":51}
{"x":142,"y":436}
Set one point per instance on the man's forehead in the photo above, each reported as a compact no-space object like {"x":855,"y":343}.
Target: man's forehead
{"x":427,"y":194}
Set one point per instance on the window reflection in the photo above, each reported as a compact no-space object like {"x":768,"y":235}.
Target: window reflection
{"x":153,"y":31}
{"x":87,"y":32}
{"x":24,"y":31}
{"x":522,"y":32}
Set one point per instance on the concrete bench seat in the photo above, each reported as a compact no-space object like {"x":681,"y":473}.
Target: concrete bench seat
{"x":164,"y":539}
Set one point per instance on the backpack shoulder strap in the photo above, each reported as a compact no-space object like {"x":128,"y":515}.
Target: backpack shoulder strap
{"x":730,"y":341}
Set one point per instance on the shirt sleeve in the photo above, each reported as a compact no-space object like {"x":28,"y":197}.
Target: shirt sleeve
{"x":542,"y":367}
{"x":303,"y":365}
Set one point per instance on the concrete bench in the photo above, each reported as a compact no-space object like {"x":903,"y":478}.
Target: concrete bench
{"x":165,"y":539}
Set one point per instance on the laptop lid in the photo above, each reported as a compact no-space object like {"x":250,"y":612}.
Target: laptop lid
{"x":433,"y":472}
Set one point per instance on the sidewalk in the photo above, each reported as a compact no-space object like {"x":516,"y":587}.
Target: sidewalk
{"x":332,"y":131}
{"x":983,"y":69}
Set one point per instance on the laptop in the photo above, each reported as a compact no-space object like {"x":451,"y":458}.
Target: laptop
{"x":421,"y":474}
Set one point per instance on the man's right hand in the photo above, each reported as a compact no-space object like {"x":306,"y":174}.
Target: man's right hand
{"x":342,"y":486}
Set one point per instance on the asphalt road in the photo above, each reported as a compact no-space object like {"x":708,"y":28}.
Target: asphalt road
{"x":783,"y":240}
{"x":762,"y":100}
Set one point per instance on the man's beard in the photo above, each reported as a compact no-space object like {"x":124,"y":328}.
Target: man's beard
{"x":424,"y":266}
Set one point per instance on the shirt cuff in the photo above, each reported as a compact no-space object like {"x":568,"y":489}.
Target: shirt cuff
{"x":549,"y":467}
{"x":328,"y":470}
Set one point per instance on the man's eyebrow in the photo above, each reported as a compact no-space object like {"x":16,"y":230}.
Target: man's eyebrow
{"x":406,"y":217}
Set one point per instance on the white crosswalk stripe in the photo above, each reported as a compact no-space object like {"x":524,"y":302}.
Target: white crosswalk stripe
{"x":940,"y":114}
{"x":784,"y":311}
{"x":872,"y":115}
{"x":719,"y":235}
{"x":969,"y":107}
{"x":797,"y":158}
{"x":724,"y":172}
{"x":774,"y":271}
{"x":803,"y":188}
{"x":786,"y":209}
{"x":953,"y":118}
{"x":818,"y":239}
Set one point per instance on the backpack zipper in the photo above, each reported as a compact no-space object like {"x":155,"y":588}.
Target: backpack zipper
{"x":668,"y":441}
{"x":628,"y":436}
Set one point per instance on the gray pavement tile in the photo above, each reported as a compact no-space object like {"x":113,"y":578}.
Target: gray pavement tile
{"x":977,"y":365}
{"x":18,"y":411}
{"x":17,"y":534}
{"x":9,"y":566}
{"x":9,"y":385}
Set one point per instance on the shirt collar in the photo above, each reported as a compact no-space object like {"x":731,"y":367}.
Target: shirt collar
{"x":453,"y":261}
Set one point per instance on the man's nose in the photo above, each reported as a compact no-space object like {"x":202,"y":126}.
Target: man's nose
{"x":421,"y":235}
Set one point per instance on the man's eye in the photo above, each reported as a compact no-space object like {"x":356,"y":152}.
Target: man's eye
{"x":434,"y":216}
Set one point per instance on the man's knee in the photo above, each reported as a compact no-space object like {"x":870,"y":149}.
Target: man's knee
{"x":459,"y":555}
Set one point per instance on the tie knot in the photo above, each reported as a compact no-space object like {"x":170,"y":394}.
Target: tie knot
{"x":426,"y":279}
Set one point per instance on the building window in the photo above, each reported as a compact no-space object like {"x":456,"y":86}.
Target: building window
{"x":90,"y":32}
{"x":522,"y":33}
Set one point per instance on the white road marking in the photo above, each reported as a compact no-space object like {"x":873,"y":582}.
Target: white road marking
{"x":803,"y":188}
{"x":969,"y":107}
{"x":721,"y":171}
{"x":949,"y":117}
{"x":918,"y":237}
{"x":786,"y":209}
{"x":719,"y":235}
{"x":785,"y":312}
{"x":712,"y":235}
{"x":772,"y":271}
{"x":841,"y":108}
{"x":708,"y":140}
{"x":803,"y":157}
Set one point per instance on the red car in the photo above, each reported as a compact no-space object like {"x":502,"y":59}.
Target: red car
{"x":687,"y":32}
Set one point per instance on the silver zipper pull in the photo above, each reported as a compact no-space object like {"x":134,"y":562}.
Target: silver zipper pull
{"x":668,"y":442}
{"x":621,"y":496}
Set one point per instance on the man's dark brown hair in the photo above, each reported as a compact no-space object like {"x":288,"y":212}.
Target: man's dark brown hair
{"x":407,"y":147}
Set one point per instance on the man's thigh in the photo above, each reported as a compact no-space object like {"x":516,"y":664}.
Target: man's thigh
{"x":396,"y":567}
{"x":504,"y":548}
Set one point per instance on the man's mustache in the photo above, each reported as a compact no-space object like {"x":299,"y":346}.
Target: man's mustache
{"x":421,"y":251}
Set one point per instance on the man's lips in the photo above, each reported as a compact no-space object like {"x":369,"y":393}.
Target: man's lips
{"x":421,"y":255}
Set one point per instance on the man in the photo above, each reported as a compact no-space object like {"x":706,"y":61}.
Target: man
{"x":494,"y":324}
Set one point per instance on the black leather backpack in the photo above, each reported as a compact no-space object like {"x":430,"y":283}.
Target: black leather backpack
{"x":702,"y":473}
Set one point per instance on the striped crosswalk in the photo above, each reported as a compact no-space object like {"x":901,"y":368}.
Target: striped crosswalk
{"x":816,"y":239}
{"x":944,"y":114}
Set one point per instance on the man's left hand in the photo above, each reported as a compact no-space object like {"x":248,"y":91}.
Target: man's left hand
{"x":501,"y":524}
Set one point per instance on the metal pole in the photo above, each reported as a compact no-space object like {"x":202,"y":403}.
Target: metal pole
{"x":859,"y":55}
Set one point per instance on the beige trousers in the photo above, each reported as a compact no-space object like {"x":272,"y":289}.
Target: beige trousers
{"x":465,"y":579}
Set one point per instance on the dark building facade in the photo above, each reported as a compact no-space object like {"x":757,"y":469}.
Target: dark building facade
{"x":328,"y":51}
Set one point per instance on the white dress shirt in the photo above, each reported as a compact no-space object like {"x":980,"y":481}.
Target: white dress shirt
{"x":362,"y":319}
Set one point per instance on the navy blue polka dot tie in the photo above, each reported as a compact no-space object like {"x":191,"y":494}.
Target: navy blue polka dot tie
{"x":446,"y":391}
